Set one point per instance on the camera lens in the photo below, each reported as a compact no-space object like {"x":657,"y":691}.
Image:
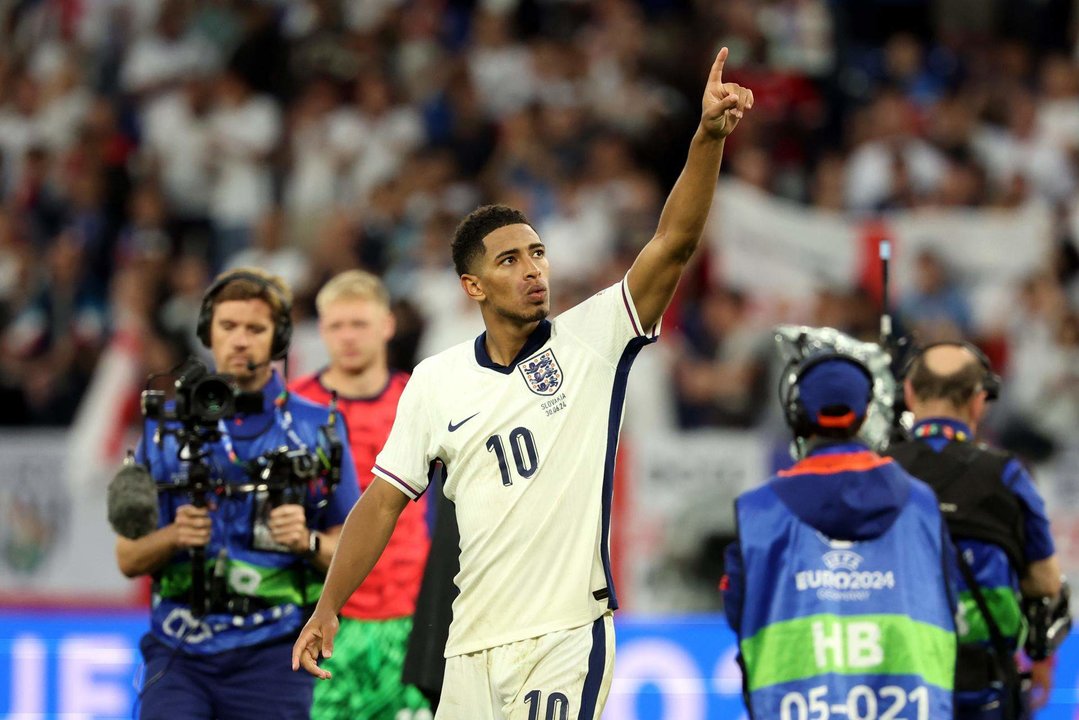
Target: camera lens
{"x":211,"y":399}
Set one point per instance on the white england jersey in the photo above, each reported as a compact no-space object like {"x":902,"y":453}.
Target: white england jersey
{"x":529,"y":453}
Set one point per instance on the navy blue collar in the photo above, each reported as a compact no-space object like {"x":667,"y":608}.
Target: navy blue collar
{"x":535,"y":341}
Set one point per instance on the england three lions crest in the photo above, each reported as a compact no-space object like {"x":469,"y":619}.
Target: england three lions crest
{"x":542,"y":373}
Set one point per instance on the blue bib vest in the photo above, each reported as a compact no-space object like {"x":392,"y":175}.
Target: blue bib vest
{"x":840,"y":629}
{"x":282,"y":584}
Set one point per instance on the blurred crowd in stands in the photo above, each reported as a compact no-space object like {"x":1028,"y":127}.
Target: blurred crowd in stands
{"x":145,"y":145}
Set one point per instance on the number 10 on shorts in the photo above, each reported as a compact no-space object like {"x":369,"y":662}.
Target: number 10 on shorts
{"x":890,"y":702}
{"x":557,"y":706}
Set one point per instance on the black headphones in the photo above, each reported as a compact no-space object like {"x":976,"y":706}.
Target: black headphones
{"x":794,"y":411}
{"x":991,"y":381}
{"x":282,"y":322}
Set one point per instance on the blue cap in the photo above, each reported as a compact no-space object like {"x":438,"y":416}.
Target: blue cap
{"x":835,"y":383}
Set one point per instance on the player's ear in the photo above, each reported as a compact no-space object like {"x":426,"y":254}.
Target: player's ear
{"x":471,"y":285}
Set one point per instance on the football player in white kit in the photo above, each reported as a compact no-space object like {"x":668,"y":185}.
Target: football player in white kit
{"x":525,"y":420}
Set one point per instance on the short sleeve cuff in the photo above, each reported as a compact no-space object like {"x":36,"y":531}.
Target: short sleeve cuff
{"x":627,"y":300}
{"x":404,"y":486}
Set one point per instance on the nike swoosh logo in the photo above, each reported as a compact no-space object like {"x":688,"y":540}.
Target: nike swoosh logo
{"x":451,"y":427}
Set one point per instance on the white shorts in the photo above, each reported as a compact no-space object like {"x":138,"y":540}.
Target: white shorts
{"x":563,"y":675}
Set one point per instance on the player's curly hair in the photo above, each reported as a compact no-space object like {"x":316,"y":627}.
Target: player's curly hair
{"x":468,"y":237}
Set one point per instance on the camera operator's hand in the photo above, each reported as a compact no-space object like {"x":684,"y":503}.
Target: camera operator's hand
{"x":288,"y":526}
{"x":315,"y":638}
{"x":1041,"y":682}
{"x":191,"y":528}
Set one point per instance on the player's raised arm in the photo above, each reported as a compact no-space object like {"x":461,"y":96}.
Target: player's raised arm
{"x":656,"y":271}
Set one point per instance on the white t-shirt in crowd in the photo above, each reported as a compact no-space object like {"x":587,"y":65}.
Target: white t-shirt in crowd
{"x":241,"y":137}
{"x":180,"y":140}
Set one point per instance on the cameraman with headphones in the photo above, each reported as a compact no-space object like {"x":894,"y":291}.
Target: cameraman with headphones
{"x":837,"y":586}
{"x":227,"y":654}
{"x":999,"y":525}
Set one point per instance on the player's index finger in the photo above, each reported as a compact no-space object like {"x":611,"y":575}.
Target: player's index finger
{"x":716,"y":76}
{"x":302,"y":648}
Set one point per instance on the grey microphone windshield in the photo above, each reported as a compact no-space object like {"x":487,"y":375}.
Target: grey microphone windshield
{"x":132,"y":501}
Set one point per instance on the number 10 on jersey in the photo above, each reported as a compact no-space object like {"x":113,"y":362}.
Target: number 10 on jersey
{"x":522,"y":447}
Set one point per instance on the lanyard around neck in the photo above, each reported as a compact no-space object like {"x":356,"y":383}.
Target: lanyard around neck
{"x":931,"y":430}
{"x":282,"y":418}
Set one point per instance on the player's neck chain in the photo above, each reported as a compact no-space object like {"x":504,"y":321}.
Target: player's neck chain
{"x":940,"y":430}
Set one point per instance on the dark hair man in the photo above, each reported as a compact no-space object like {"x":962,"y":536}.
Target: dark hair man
{"x":264,"y":556}
{"x":525,"y":420}
{"x":837,"y":586}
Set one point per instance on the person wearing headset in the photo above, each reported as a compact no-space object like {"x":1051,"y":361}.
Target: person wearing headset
{"x":265,"y":551}
{"x":838,"y":586}
{"x":997,"y":520}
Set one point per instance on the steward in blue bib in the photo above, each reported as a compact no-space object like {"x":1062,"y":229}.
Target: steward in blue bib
{"x":839,"y":586}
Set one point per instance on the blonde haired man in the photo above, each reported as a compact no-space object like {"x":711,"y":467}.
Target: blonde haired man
{"x":355,"y":323}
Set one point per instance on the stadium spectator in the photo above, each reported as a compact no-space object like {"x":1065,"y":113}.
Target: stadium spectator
{"x":1037,"y":387}
{"x":936,"y":309}
{"x":178,"y":314}
{"x":270,"y":250}
{"x":377,"y":132}
{"x":316,"y":159}
{"x":890,"y":156}
{"x":14,"y":267}
{"x":160,"y":60}
{"x":720,"y":377}
{"x":55,"y":338}
{"x":19,"y":128}
{"x":176,"y":147}
{"x":243,"y":131}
